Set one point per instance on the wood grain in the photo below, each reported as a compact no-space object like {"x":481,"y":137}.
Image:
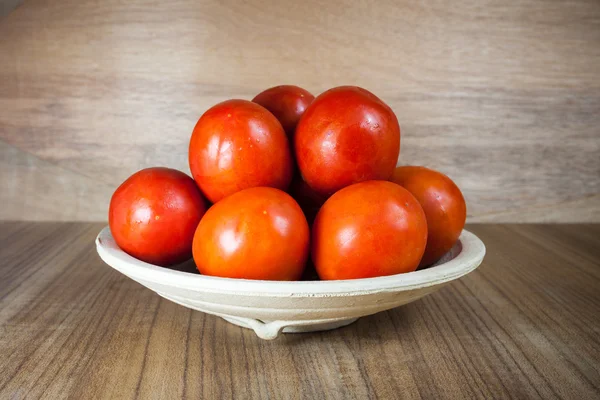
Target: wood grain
{"x":503,"y":97}
{"x":39,"y":190}
{"x":523,"y":325}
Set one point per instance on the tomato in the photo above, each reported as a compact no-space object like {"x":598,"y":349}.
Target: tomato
{"x":287,"y":103}
{"x":237,"y":145}
{"x":347,"y":135}
{"x":153,"y":215}
{"x":307,"y":198}
{"x":444,"y":207}
{"x":257,"y":233}
{"x":368,"y":229}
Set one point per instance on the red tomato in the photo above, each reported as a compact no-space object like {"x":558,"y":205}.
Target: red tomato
{"x":347,"y":135}
{"x":153,"y":215}
{"x":444,"y":207}
{"x":258,"y":233}
{"x":368,"y":229}
{"x":287,"y":103}
{"x":236,"y":145}
{"x":308,"y":199}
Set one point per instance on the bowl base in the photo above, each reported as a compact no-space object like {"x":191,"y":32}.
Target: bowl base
{"x":293,"y":327}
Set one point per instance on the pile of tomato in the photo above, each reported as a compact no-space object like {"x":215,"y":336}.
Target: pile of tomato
{"x":286,"y":179}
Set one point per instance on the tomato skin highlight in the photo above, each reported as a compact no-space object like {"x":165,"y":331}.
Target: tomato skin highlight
{"x":287,"y":103}
{"x":444,"y":207}
{"x":347,"y":135}
{"x":368,"y":229}
{"x":153,"y":215}
{"x":237,"y":145}
{"x":257,"y":233}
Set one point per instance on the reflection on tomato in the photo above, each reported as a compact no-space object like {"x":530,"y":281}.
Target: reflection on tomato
{"x":153,"y":215}
{"x":236,"y":145}
{"x":257,"y":233}
{"x":444,"y":207}
{"x":368,"y":229}
{"x":347,"y":135}
{"x":287,"y":103}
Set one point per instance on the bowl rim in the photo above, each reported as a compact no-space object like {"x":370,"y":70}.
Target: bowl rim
{"x":470,"y":257}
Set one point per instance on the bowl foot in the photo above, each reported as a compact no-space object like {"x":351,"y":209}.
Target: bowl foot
{"x":270,"y":330}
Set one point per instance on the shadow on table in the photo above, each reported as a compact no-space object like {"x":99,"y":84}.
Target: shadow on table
{"x":386,"y":325}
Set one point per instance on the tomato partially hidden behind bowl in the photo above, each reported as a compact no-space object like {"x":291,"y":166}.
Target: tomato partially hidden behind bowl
{"x":287,"y":103}
{"x":257,"y":233}
{"x":237,"y":145}
{"x":444,"y":207}
{"x":368,"y":229}
{"x":153,"y":215}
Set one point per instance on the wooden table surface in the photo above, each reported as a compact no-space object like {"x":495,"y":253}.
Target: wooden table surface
{"x":526,"y":324}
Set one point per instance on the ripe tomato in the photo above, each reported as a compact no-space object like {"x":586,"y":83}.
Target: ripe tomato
{"x":308,"y":199}
{"x":236,"y":145}
{"x":444,"y":207}
{"x":347,"y":135}
{"x":287,"y":103}
{"x":153,"y":215}
{"x":258,"y":233}
{"x":368,"y":229}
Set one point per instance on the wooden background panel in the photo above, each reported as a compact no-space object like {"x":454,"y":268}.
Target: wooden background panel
{"x":7,"y":6}
{"x":504,"y":98}
{"x":38,"y":190}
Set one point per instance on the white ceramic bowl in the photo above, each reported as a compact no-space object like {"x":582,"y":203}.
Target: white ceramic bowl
{"x":271,"y":307}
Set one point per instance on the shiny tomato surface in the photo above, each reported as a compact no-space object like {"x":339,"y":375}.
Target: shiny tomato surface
{"x":347,"y":135}
{"x":444,"y":207}
{"x":236,"y":145}
{"x":153,"y":215}
{"x":257,"y":233}
{"x":368,"y":229}
{"x":287,"y":103}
